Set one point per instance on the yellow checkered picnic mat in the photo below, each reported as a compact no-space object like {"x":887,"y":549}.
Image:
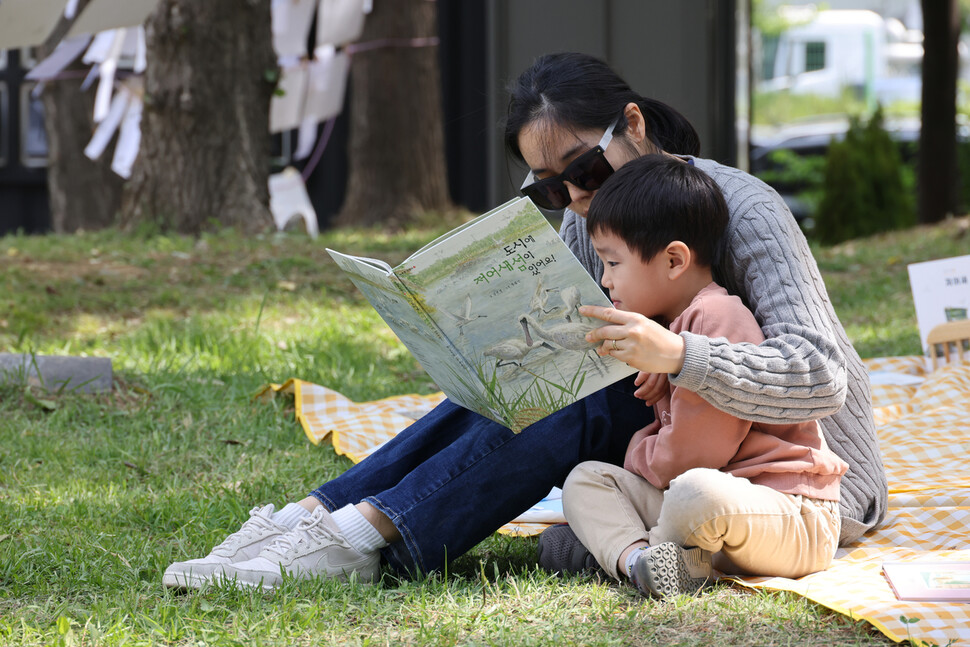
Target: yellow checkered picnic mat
{"x":356,"y":429}
{"x":924,"y":435}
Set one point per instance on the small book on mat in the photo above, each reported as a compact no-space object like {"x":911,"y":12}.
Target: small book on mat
{"x":929,"y":581}
{"x":490,"y":310}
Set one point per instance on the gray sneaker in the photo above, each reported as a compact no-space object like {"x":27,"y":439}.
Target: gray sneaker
{"x":561,"y":552}
{"x":241,"y":545}
{"x":316,"y":547}
{"x":668,"y":570}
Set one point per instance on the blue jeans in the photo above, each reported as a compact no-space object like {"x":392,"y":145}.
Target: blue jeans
{"x":453,"y":477}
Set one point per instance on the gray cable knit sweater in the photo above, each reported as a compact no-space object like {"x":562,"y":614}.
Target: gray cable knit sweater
{"x":806,"y":369}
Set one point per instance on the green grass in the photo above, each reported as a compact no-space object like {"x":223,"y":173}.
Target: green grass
{"x":784,"y":108}
{"x":98,"y":494}
{"x":868,"y":283}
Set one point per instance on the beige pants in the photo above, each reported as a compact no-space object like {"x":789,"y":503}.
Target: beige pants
{"x":751,"y":529}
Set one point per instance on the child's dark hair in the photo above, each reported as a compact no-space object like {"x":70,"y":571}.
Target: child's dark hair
{"x":654,"y":200}
{"x":578,"y":90}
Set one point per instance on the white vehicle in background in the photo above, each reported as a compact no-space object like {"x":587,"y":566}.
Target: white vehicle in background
{"x":826,"y":53}
{"x":860,"y":50}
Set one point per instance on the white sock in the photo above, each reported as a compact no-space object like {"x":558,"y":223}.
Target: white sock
{"x":357,"y":530}
{"x":632,"y":558}
{"x":290,"y":515}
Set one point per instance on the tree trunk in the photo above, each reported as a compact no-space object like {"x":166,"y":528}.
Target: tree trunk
{"x":396,"y":153}
{"x":84,"y":193}
{"x":938,"y":178}
{"x":205,"y":145}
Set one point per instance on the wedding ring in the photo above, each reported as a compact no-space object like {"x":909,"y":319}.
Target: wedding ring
{"x":614,"y":345}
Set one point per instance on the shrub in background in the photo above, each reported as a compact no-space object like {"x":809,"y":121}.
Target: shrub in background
{"x":867,"y":188}
{"x":800,"y":176}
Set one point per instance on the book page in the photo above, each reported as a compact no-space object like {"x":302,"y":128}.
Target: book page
{"x":506,"y":289}
{"x":434,"y":351}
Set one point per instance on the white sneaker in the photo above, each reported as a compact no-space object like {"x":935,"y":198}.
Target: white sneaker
{"x":241,"y":545}
{"x":316,"y":547}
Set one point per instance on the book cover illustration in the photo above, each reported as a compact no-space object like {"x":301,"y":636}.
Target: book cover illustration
{"x":929,"y":580}
{"x":490,"y":311}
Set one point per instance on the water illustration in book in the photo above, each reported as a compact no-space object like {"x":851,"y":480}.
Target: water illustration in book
{"x":490,"y":310}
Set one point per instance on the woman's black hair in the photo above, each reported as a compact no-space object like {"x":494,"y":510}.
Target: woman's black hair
{"x":578,"y":90}
{"x":656,"y":199}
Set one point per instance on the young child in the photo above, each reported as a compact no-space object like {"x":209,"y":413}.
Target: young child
{"x":760,"y":498}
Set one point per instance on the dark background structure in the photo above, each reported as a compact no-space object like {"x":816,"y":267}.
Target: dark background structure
{"x":679,"y":52}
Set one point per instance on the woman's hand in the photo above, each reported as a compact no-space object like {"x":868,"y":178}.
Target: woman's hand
{"x":636,"y":340}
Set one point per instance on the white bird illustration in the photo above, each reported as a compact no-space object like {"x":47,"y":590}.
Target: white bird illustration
{"x":571,"y":300}
{"x":512,"y":351}
{"x":539,"y":300}
{"x":464,"y":317}
{"x":571,"y":336}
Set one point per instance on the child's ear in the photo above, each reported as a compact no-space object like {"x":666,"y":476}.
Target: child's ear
{"x":678,"y":258}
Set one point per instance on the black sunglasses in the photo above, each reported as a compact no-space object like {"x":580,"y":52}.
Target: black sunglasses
{"x":587,"y":172}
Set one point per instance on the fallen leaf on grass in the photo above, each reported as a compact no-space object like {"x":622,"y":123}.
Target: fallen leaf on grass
{"x":46,"y":405}
{"x":141,"y":470}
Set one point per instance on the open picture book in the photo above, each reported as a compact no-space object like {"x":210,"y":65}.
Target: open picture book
{"x":490,"y":311}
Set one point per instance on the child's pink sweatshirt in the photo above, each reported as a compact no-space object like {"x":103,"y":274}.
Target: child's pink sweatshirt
{"x":689,"y":432}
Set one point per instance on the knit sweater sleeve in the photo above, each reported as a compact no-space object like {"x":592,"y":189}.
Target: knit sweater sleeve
{"x":573,"y":232}
{"x":798,"y":373}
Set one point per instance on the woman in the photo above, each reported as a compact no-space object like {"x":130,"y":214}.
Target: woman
{"x":453,"y":477}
